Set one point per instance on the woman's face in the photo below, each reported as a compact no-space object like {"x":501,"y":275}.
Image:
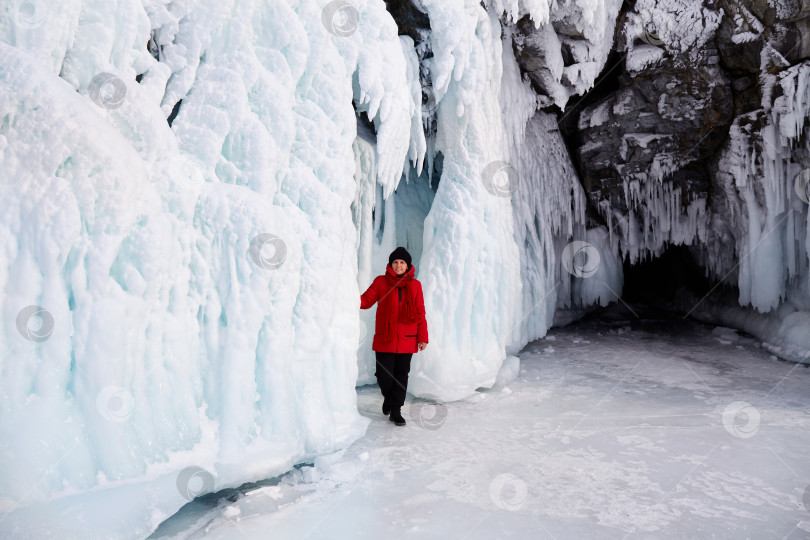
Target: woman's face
{"x":399,"y":266}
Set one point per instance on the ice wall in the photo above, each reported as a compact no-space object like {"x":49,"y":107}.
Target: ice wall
{"x":507,"y":202}
{"x":469,"y":247}
{"x":188,"y":216}
{"x":195,"y":286}
{"x":550,"y":222}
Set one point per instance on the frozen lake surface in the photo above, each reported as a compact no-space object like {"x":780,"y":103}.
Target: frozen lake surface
{"x":616,"y":427}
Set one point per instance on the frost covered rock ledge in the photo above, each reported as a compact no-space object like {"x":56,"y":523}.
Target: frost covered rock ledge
{"x":194,"y":193}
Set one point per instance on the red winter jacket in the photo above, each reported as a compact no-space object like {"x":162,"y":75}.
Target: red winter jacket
{"x":407,"y":335}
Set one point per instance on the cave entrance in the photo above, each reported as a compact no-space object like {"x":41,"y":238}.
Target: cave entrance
{"x":652,"y":309}
{"x":654,"y":283}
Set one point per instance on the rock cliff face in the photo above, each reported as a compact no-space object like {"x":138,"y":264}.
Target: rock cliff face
{"x":692,"y":134}
{"x":665,"y":121}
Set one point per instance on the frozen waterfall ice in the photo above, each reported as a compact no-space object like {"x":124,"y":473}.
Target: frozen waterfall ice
{"x":194,"y":193}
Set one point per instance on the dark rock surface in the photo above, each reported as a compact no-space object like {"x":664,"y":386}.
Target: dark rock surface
{"x":668,"y":121}
{"x":664,"y":120}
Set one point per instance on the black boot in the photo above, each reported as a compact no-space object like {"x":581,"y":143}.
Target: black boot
{"x":396,"y":417}
{"x":386,"y":407}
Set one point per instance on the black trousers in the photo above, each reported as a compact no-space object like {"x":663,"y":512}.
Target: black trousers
{"x":392,"y":376}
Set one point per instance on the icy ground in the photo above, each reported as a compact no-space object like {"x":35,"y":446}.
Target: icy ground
{"x":616,"y":427}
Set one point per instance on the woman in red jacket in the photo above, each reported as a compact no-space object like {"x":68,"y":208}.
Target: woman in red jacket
{"x":399,"y":331}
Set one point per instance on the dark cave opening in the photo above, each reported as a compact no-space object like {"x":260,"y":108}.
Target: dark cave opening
{"x":658,"y":298}
{"x":654,"y":283}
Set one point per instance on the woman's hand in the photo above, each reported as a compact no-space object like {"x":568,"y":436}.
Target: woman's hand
{"x":421,"y":346}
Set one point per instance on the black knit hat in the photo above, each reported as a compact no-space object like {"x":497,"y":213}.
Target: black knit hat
{"x":400,"y":253}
